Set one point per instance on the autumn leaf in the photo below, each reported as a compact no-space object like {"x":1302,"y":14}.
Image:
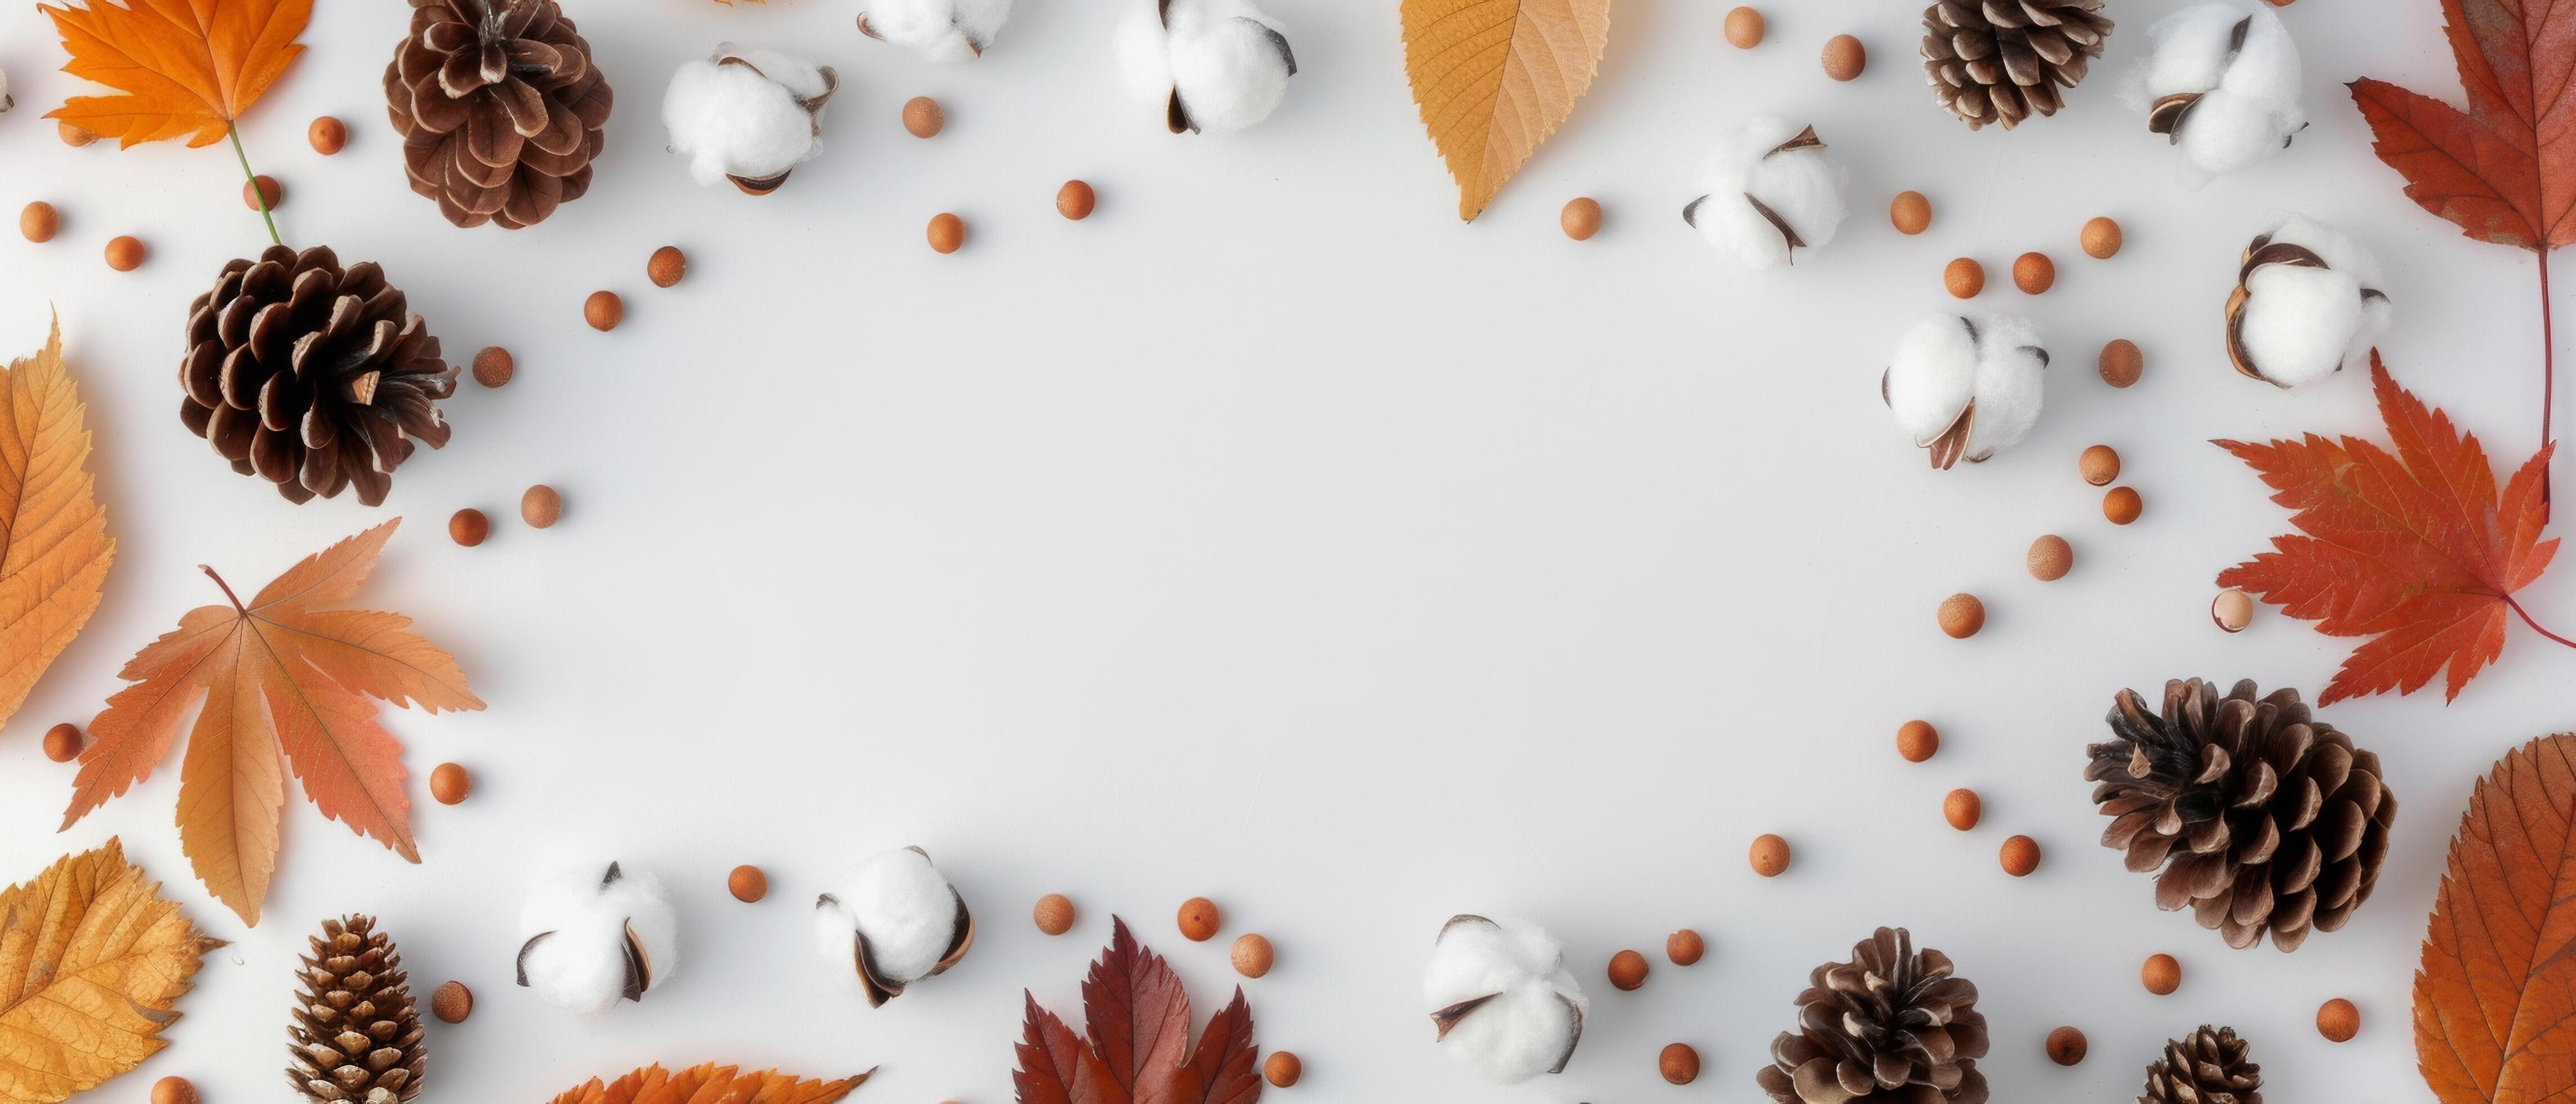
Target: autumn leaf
{"x":1138,"y":1019}
{"x":709,"y":1084}
{"x":2414,"y":549}
{"x":1494,"y":78}
{"x":2495,"y":994}
{"x":277,"y":674}
{"x":54,"y":547}
{"x":91,"y":959}
{"x":186,"y":67}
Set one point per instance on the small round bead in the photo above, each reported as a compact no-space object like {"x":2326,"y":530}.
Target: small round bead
{"x":923,"y":117}
{"x":603,"y":310}
{"x":2066,"y":1046}
{"x":1743,"y":28}
{"x":2122,"y":505}
{"x":747,"y":883}
{"x":75,"y":136}
{"x":666,"y":266}
{"x":1678,"y":1063}
{"x":2121,"y":363}
{"x":468,"y":527}
{"x":493,"y":366}
{"x":2338,"y":1020}
{"x":1844,"y":58}
{"x":540,"y":506}
{"x":1075,"y":200}
{"x":946,"y":232}
{"x":2033,"y":273}
{"x":1962,"y":809}
{"x":2050,"y":558}
{"x":1198,"y":919}
{"x":1684,"y":947}
{"x":2098,"y":464}
{"x":1282,"y":1069}
{"x":1770,"y":855}
{"x":1910,"y":213}
{"x":451,"y":1002}
{"x":2232,"y":610}
{"x":2020,"y":856}
{"x":1053,"y":914}
{"x":1581,"y":218}
{"x":2161,"y":975}
{"x":269,"y":189}
{"x":173,"y":1090}
{"x":1627,"y":971}
{"x":1917,"y":741}
{"x":328,"y":135}
{"x":1964,"y":278}
{"x":1252,"y":954}
{"x":2101,"y":238}
{"x":449,"y":783}
{"x":1961,"y":615}
{"x":39,"y":221}
{"x":63,"y":742}
{"x":125,"y":253}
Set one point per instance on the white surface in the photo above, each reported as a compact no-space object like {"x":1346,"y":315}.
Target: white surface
{"x":1273,"y":536}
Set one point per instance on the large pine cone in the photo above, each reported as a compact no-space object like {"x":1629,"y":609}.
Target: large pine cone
{"x":2204,"y":1067}
{"x":2263,"y":818}
{"x":355,"y":1035}
{"x":1890,"y":1025}
{"x":1999,"y":61}
{"x":499,"y":107}
{"x":311,"y":376}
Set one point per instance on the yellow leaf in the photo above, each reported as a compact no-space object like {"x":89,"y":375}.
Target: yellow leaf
{"x":54,"y":547}
{"x":709,"y":1083}
{"x":186,"y":67}
{"x":1494,"y":77}
{"x":91,"y":958}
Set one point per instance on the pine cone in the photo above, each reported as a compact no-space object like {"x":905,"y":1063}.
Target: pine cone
{"x":499,"y":107}
{"x":2263,"y":818}
{"x":2001,"y":60}
{"x":312,"y":376}
{"x":2204,"y":1067}
{"x":356,"y":1036}
{"x":1891,"y":1025}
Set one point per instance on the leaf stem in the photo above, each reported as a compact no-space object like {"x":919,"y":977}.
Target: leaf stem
{"x":2535,"y":625}
{"x":262,"y":196}
{"x":237,"y":606}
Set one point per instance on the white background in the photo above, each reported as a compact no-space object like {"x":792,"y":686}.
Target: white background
{"x":1274,"y":536}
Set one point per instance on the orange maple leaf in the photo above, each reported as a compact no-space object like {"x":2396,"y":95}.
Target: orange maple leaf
{"x":2416,"y":550}
{"x":2494,"y":1014}
{"x":186,"y":66}
{"x":277,"y":674}
{"x":710,"y":1083}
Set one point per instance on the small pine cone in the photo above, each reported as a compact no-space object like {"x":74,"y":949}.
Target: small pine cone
{"x":2205,"y":1067}
{"x":2262,"y":817}
{"x":355,"y":1035}
{"x":1890,"y":1026}
{"x":311,"y":376}
{"x":2001,"y":61}
{"x":500,"y":109}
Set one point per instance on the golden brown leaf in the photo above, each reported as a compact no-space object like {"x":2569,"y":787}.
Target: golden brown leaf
{"x":1494,"y":78}
{"x":708,"y":1084}
{"x":2495,"y":996}
{"x":54,"y":547}
{"x":91,"y":959}
{"x":277,"y":674}
{"x":185,"y":66}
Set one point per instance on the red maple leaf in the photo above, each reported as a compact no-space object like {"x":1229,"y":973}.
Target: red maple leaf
{"x":1138,"y":1019}
{"x":2414,"y":549}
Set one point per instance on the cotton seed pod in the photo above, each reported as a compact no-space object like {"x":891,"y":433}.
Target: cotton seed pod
{"x":1502,"y":1001}
{"x":2221,"y":83}
{"x":1966,"y":386}
{"x":892,"y":921}
{"x":1767,"y":190}
{"x":1212,"y":66}
{"x":748,"y":114}
{"x":591,"y":938}
{"x":2307,"y":304}
{"x":938,"y":30}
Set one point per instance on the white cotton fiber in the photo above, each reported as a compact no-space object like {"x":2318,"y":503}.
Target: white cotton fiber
{"x":938,"y":30}
{"x":2301,"y":323}
{"x":590,"y":937}
{"x":1227,"y":60}
{"x":1531,"y":1011}
{"x":1801,"y":186}
{"x":5,"y":102}
{"x":2248,"y":88}
{"x":907,"y":911}
{"x":747,"y":112}
{"x":1946,"y":362}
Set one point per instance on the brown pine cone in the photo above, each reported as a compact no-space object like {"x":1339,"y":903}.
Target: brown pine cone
{"x":1890,"y":1026}
{"x":2205,"y":1067}
{"x":2000,"y":61}
{"x":311,"y":376}
{"x":2263,"y":818}
{"x":499,"y":107}
{"x":355,"y":1034}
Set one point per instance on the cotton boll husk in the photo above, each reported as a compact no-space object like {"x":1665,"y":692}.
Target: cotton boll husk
{"x":582,"y":965}
{"x":1802,"y":186}
{"x":748,"y":121}
{"x":1229,"y":61}
{"x":938,"y":30}
{"x":1932,"y":376}
{"x":904,"y":907}
{"x":1536,"y":1007}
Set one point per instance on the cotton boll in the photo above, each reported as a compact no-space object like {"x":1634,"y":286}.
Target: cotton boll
{"x":592,"y":938}
{"x":1214,"y":66}
{"x":1966,"y":386}
{"x":2221,"y":81}
{"x":1767,"y":189}
{"x":938,"y":30}
{"x":748,"y":114}
{"x":892,"y":921}
{"x":1502,"y":1000}
{"x":2307,"y":304}
{"x":5,"y":102}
